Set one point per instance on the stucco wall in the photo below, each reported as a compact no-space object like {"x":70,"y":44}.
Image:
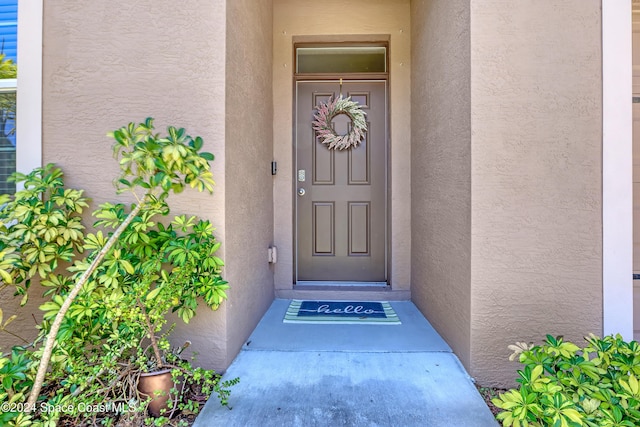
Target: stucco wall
{"x":536,"y":176}
{"x":249,"y":151}
{"x":337,"y":17}
{"x":108,"y":63}
{"x":506,"y":182}
{"x":441,"y":168}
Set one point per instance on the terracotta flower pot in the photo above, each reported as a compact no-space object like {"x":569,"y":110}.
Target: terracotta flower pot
{"x":157,"y":386}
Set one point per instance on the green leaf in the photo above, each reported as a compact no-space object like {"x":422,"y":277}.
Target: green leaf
{"x":6,"y":277}
{"x":127,"y":266}
{"x":186,"y":315}
{"x":154,"y":293}
{"x":633,"y":383}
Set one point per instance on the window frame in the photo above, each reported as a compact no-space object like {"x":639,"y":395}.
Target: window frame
{"x":29,"y":86}
{"x":373,"y":40}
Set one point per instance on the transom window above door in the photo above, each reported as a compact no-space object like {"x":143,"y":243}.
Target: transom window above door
{"x":340,"y":59}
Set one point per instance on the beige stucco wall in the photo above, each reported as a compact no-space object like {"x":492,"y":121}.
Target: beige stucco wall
{"x":108,"y":63}
{"x":299,"y":18}
{"x":536,"y":95}
{"x":506,"y":197}
{"x":441,"y":168}
{"x":249,"y":151}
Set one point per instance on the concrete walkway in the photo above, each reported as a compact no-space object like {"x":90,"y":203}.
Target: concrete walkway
{"x":348,"y":375}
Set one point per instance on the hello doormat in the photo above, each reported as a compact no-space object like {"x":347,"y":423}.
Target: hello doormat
{"x":345,"y":312}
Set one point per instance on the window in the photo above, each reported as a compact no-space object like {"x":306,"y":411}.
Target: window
{"x":340,"y":59}
{"x":8,"y":82}
{"x":20,"y":97}
{"x":7,"y":134}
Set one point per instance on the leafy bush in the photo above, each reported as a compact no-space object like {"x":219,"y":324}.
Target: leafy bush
{"x":564,"y":385}
{"x":109,"y":291}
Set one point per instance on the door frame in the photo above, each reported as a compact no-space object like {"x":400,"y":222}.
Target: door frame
{"x":351,"y":78}
{"x":617,"y":169}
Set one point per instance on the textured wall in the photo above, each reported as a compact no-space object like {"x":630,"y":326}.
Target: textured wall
{"x":506,"y":174}
{"x":441,"y":168}
{"x":536,"y":176}
{"x":331,"y":17}
{"x":108,"y":63}
{"x":24,"y":327}
{"x":249,"y":151}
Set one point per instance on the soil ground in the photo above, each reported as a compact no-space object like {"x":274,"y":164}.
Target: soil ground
{"x":489,"y":393}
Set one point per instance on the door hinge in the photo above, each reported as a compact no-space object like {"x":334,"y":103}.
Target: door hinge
{"x":274,"y":168}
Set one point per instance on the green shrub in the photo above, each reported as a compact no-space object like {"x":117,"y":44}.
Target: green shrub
{"x":564,"y":385}
{"x":109,"y":290}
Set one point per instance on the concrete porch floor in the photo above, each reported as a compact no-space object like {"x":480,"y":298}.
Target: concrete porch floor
{"x":348,"y":375}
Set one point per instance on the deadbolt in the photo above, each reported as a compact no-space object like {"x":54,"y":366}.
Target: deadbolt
{"x":301,"y":192}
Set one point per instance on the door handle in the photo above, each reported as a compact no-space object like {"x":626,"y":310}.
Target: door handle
{"x":301,"y":192}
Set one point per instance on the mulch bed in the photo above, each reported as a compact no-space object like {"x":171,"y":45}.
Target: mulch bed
{"x":489,"y":393}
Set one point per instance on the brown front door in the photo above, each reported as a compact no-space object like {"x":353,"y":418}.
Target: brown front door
{"x":341,"y":200}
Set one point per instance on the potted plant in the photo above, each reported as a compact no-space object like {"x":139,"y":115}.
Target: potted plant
{"x":168,"y":269}
{"x":157,"y":269}
{"x":122,"y":279}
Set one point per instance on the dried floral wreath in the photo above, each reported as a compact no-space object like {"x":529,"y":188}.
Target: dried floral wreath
{"x":326,"y":113}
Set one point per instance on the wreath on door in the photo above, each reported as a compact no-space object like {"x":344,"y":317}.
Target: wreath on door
{"x":325,"y":132}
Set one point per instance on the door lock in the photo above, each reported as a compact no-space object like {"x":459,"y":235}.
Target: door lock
{"x":301,"y":192}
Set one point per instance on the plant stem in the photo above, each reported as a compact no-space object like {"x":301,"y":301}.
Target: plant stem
{"x":16,"y":335}
{"x":152,"y":335}
{"x":91,"y":379}
{"x":55,"y":327}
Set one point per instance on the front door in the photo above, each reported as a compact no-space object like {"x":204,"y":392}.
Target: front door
{"x":341,"y":204}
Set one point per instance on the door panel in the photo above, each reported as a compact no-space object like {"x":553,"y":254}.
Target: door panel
{"x":341,"y":217}
{"x":359,"y":228}
{"x":323,"y":228}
